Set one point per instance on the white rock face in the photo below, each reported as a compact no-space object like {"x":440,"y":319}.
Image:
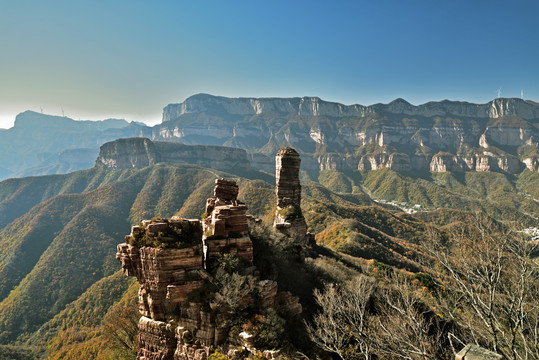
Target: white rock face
{"x":481,"y":162}
{"x":328,"y":134}
{"x":397,"y":162}
{"x":532,"y":163}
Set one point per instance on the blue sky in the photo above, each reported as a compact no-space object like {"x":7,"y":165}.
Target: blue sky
{"x":118,"y":58}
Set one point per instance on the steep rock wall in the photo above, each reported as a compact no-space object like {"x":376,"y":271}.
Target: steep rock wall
{"x":328,"y":135}
{"x":314,"y":106}
{"x":136,"y":153}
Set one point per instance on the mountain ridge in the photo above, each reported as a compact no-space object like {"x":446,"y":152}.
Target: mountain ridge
{"x":314,"y":106}
{"x":31,"y":118}
{"x":501,"y":135}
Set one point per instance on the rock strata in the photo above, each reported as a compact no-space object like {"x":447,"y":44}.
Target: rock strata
{"x":484,"y":161}
{"x":173,"y":259}
{"x":289,"y":218}
{"x":332,"y":136}
{"x":136,"y":153}
{"x":225,"y":225}
{"x":397,"y":162}
{"x":314,"y":106}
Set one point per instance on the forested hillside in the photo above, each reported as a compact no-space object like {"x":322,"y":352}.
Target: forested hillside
{"x":61,"y":289}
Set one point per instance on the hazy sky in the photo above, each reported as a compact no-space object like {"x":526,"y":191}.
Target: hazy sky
{"x":114,"y":58}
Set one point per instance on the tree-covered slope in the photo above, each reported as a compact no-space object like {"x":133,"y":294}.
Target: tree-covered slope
{"x":81,"y":330}
{"x":19,"y":195}
{"x":57,"y":254}
{"x":499,"y":194}
{"x":53,"y":253}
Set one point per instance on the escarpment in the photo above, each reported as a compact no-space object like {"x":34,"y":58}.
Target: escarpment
{"x":136,"y":153}
{"x":197,"y":277}
{"x":332,"y":136}
{"x":314,"y":106}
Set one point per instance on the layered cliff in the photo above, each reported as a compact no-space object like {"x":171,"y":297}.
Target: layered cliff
{"x":314,"y":106}
{"x":336,"y":136}
{"x":198,"y":282}
{"x":136,"y":153}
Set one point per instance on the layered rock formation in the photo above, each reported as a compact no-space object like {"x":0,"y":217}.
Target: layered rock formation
{"x":225,"y":225}
{"x":332,"y":136}
{"x":132,"y":153}
{"x":397,"y":162}
{"x":182,"y":309}
{"x":136,"y":153}
{"x":289,"y":218}
{"x":314,"y":106}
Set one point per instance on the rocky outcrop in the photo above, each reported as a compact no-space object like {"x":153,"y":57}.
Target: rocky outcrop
{"x":183,"y":313}
{"x":225,"y":225}
{"x":395,"y":161}
{"x":532,"y":163}
{"x":289,"y":218}
{"x":475,"y":352}
{"x":442,"y":162}
{"x":131,"y":153}
{"x":136,"y":153}
{"x":484,"y":161}
{"x":494,"y":163}
{"x":333,"y":162}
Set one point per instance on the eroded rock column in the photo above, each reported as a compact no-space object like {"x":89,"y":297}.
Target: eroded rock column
{"x":289,"y":219}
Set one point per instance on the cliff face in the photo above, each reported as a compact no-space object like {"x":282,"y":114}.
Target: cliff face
{"x":136,"y":153}
{"x":397,"y":162}
{"x":132,"y":153}
{"x":314,"y":106}
{"x":335,"y":136}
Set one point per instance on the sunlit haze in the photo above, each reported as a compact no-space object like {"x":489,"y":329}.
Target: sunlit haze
{"x":104,"y":59}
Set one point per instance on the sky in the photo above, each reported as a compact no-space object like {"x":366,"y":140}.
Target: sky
{"x":129,"y":58}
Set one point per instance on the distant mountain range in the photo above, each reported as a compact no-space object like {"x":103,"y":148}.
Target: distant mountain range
{"x":501,"y":135}
{"x":314,"y":106}
{"x":41,"y":144}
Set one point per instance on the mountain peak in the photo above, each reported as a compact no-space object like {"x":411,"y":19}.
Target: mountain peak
{"x":399,"y":101}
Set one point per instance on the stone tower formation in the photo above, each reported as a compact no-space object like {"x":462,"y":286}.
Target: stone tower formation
{"x":173,"y":259}
{"x":289,"y":218}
